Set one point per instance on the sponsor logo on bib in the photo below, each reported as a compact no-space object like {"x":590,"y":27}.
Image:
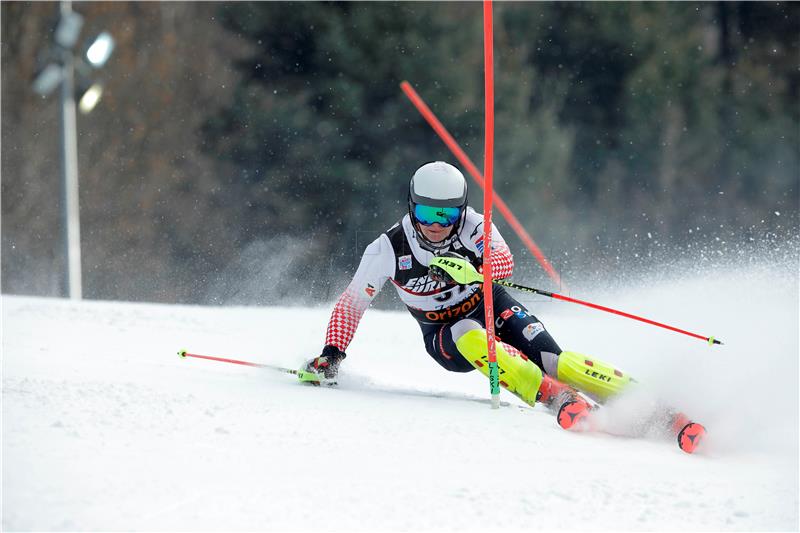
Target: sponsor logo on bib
{"x":531,"y":330}
{"x":404,"y":262}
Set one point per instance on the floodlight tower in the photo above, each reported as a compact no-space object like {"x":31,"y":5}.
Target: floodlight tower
{"x":61,"y":71}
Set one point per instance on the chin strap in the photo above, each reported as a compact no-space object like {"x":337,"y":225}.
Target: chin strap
{"x":434,"y":248}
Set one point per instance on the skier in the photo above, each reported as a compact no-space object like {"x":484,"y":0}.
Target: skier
{"x":440,"y":224}
{"x":433,"y":256}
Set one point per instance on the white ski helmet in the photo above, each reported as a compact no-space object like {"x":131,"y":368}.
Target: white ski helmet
{"x":437,"y":194}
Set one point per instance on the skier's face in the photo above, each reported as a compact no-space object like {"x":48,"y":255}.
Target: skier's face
{"x":435,"y":232}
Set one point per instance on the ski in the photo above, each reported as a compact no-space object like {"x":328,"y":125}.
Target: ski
{"x":689,"y":434}
{"x":580,"y":416}
{"x":575,"y":414}
{"x":310,"y":378}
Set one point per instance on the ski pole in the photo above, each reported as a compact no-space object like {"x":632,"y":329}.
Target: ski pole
{"x":710,"y":340}
{"x":184,"y":354}
{"x":302,"y":375}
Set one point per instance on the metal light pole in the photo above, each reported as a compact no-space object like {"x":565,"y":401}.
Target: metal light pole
{"x":70,"y":198}
{"x":61,"y":71}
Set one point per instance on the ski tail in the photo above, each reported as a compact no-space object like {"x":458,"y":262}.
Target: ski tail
{"x":690,"y":434}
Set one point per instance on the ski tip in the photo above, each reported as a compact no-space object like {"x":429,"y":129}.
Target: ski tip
{"x":691,"y":436}
{"x":572,"y":415}
{"x":182,"y":353}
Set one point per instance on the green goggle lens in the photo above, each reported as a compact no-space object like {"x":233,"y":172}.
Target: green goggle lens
{"x":428,"y":215}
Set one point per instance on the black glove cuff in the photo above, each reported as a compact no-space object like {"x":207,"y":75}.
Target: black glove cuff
{"x":332,"y":353}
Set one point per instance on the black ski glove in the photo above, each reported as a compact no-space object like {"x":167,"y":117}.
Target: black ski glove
{"x":327,"y":364}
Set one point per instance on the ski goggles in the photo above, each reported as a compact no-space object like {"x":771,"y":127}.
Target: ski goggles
{"x":428,"y":215}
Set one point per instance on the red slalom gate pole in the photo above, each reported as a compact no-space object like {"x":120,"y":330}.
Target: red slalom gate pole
{"x":488,"y":171}
{"x":504,"y":283}
{"x":462,"y":157}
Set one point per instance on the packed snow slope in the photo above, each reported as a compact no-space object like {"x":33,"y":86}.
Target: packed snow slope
{"x":104,"y":427}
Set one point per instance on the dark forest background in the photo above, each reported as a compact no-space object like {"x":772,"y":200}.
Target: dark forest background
{"x":247,"y":152}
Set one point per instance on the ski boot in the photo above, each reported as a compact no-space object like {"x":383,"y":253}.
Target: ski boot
{"x":571,"y":409}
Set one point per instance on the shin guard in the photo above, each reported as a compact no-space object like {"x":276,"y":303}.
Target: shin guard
{"x":597,"y":379}
{"x":518,"y":375}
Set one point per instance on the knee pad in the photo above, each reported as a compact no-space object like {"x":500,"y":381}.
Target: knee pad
{"x":519,"y":376}
{"x":591,"y":376}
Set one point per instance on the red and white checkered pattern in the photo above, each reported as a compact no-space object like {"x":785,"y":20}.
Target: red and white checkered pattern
{"x":502,"y":262}
{"x":513,"y":352}
{"x":344,"y":320}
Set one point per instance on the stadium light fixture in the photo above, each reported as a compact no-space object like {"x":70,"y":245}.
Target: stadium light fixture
{"x":48,"y":79}
{"x":90,"y":98}
{"x":100,"y":50}
{"x":69,"y":28}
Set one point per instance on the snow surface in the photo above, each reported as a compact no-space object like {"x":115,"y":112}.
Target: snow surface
{"x":104,"y":427}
